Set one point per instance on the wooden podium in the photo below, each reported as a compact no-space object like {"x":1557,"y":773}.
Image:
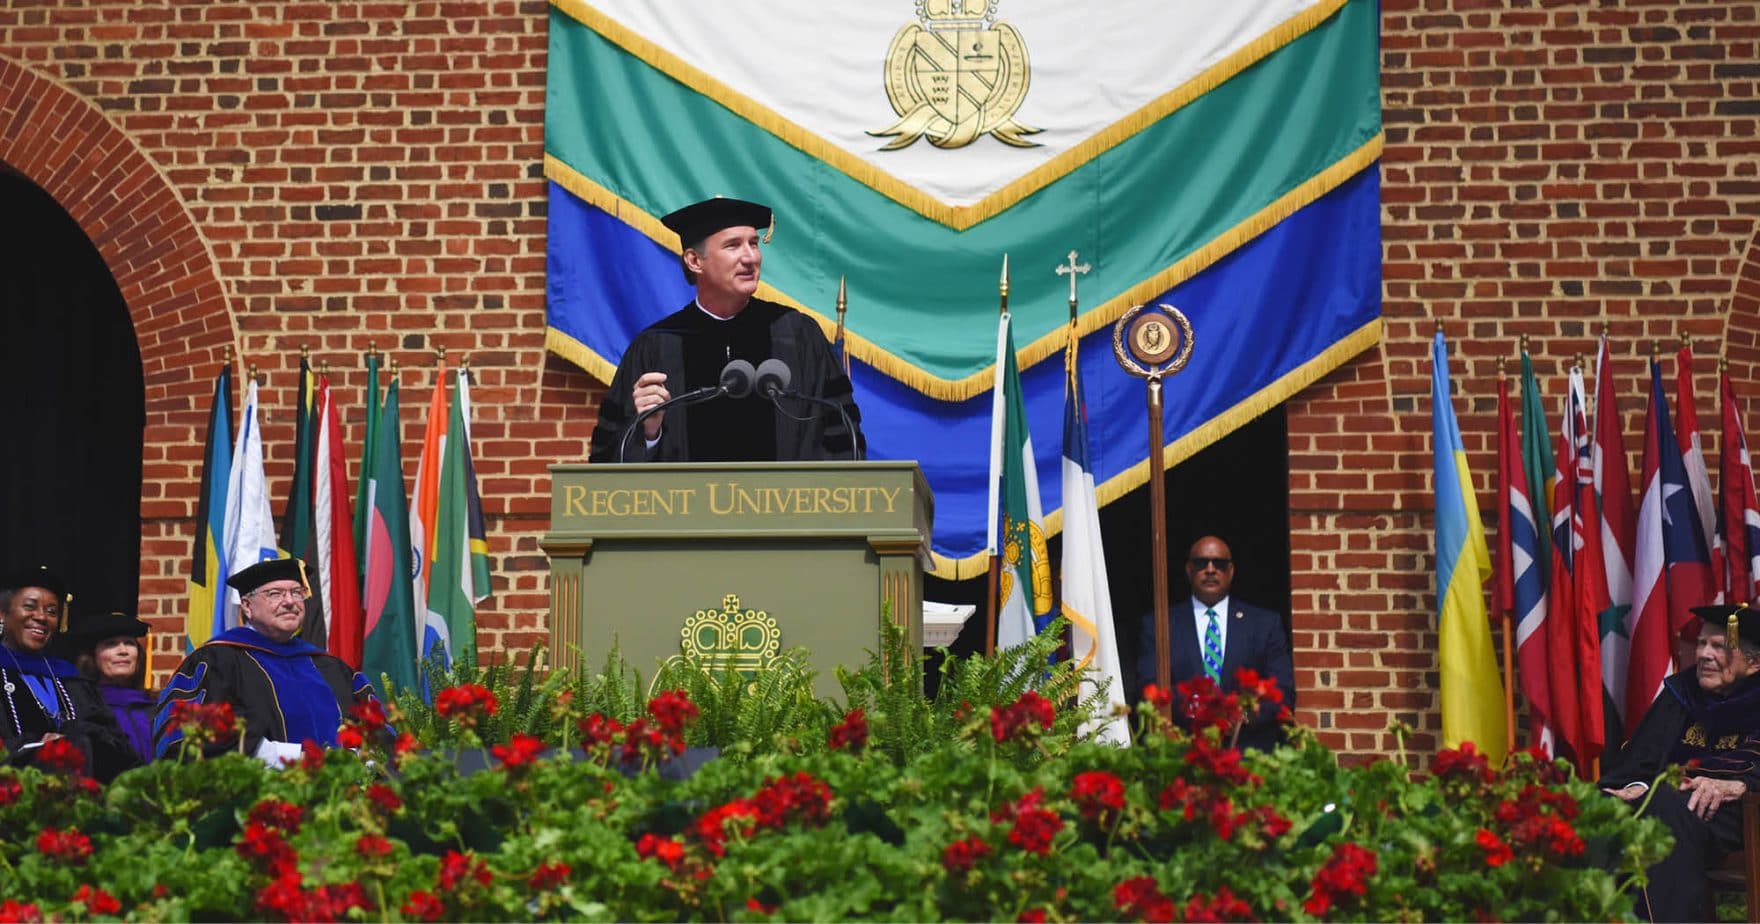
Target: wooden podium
{"x":735,"y":562}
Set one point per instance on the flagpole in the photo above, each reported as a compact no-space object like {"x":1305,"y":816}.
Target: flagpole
{"x":1509,"y":664}
{"x":995,"y":578}
{"x":842,"y":332}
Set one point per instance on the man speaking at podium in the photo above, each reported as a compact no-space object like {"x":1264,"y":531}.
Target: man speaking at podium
{"x":796,"y":413}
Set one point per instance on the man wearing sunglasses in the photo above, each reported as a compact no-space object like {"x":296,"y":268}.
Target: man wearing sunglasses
{"x":286,"y":690}
{"x":1215,"y":636}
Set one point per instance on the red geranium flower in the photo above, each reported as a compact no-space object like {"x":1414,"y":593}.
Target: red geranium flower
{"x":597,"y":729}
{"x":369,"y":713}
{"x":1346,"y":873}
{"x":459,"y":868}
{"x":384,"y":798}
{"x":406,"y":743}
{"x":372,"y":846}
{"x":1224,"y":907}
{"x":266,"y":847}
{"x":665,"y":849}
{"x":274,"y":813}
{"x":548,"y":876}
{"x":350,"y":736}
{"x":97,"y":901}
{"x":1033,"y":830}
{"x":1032,"y":916}
{"x":10,"y":790}
{"x":1465,"y":764}
{"x":70,"y":845}
{"x":800,"y":797}
{"x":712,"y":828}
{"x":1028,"y":715}
{"x":851,"y":733}
{"x":1497,"y":852}
{"x":962,"y":855}
{"x":423,"y":906}
{"x":674,"y":710}
{"x":59,"y":755}
{"x":752,"y":904}
{"x":203,"y":723}
{"x":21,"y":912}
{"x":1098,"y":794}
{"x":519,"y":752}
{"x":1158,"y":696}
{"x":467,"y":704}
{"x":1140,"y":898}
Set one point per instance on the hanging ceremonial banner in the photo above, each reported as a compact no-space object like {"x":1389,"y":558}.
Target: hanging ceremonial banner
{"x":1228,"y":166}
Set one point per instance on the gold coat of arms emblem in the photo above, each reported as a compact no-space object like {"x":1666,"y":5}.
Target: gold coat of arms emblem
{"x":955,"y":75}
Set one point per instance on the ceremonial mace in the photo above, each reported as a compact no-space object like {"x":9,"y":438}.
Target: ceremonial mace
{"x":1150,"y":343}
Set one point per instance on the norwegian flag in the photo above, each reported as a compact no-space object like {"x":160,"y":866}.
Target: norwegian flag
{"x":1652,"y":654}
{"x":1618,"y":529}
{"x":1562,"y":655}
{"x":1698,"y":479}
{"x":1521,"y":586}
{"x":1739,"y":512}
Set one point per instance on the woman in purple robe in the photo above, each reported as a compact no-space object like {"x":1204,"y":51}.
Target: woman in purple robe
{"x":115,"y":659}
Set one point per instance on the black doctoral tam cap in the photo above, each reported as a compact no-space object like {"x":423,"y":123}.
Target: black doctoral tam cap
{"x":1731,"y":615}
{"x":699,"y":220}
{"x":275,"y":569}
{"x":39,"y":576}
{"x":95,"y":629}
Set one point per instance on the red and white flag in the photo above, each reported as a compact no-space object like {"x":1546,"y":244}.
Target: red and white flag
{"x":1563,"y":669}
{"x":339,"y":583}
{"x":1739,"y":510}
{"x":1618,"y":528}
{"x":1698,"y":479}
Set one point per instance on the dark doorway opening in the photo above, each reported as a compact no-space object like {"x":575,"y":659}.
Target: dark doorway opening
{"x":1236,"y":488}
{"x":72,"y":406}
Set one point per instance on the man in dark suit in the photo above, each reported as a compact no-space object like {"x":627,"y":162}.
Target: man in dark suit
{"x":1212,"y":635}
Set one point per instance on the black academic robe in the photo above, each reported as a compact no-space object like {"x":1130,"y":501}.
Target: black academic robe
{"x":691,"y":348}
{"x":284,"y":691}
{"x":85,"y":720}
{"x":1723,"y":735}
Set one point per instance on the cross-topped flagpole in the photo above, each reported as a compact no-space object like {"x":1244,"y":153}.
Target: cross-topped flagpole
{"x":1072,"y":269}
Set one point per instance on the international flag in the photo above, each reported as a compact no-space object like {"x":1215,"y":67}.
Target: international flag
{"x":1562,"y":654}
{"x":1612,"y":490}
{"x":1739,"y":510}
{"x":1087,"y":596}
{"x":1024,"y":592}
{"x":363,"y":505}
{"x":1472,"y":690}
{"x":298,"y":517}
{"x":1686,"y":555}
{"x":339,"y":582}
{"x":1538,"y":473}
{"x":1652,"y":649}
{"x":1063,"y":130}
{"x":1706,"y":589}
{"x":1521,"y":588}
{"x":390,"y":647}
{"x":206,"y":616}
{"x":459,"y":572}
{"x":424,"y":514}
{"x":1590,"y":600}
{"x":250,"y":524}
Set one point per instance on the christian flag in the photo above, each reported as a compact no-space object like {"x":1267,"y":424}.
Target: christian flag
{"x":1087,"y":595}
{"x":206,"y":616}
{"x":1472,"y":690}
{"x":390,"y":647}
{"x":1025,"y":589}
{"x":1227,"y":167}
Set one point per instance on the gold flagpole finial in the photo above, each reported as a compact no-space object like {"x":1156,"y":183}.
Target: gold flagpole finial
{"x":391,"y":366}
{"x":1072,"y":269}
{"x":1002,"y":288}
{"x":1655,"y":349}
{"x":1723,"y":363}
{"x":1605,"y":327}
{"x":251,"y":373}
{"x":1502,"y":367}
{"x":842,"y":329}
{"x":1523,"y":343}
{"x":229,"y":354}
{"x":305,"y":352}
{"x":324,"y":368}
{"x":1686,"y":341}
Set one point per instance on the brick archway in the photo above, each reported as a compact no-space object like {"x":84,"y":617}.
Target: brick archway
{"x":64,"y":144}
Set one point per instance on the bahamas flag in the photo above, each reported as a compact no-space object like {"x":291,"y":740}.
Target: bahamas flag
{"x":1227,"y":168}
{"x":1472,"y":690}
{"x":206,"y":617}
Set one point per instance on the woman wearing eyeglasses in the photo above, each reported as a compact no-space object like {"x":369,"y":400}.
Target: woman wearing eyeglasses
{"x":285,"y":690}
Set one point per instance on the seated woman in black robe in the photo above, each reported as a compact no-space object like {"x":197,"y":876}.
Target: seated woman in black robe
{"x":45,"y":697}
{"x":113,"y":656}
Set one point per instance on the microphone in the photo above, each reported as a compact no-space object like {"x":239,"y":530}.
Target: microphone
{"x":773,"y":382}
{"x":773,"y":378}
{"x":736,"y":381}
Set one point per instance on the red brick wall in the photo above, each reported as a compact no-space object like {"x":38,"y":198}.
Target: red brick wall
{"x":339,"y":175}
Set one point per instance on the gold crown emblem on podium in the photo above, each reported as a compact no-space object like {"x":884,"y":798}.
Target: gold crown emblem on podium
{"x":743,"y":640}
{"x":939,"y":15}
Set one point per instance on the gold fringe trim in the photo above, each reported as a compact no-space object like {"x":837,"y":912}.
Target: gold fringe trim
{"x":1292,"y":382}
{"x":958,"y":217}
{"x":580,"y":354}
{"x":1038,"y":350}
{"x":1085,"y":624}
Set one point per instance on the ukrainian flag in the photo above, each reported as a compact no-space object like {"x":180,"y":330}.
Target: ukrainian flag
{"x":1472,"y":690}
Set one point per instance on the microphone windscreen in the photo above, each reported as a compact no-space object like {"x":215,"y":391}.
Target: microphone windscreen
{"x":773,"y":375}
{"x":736,"y":378}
